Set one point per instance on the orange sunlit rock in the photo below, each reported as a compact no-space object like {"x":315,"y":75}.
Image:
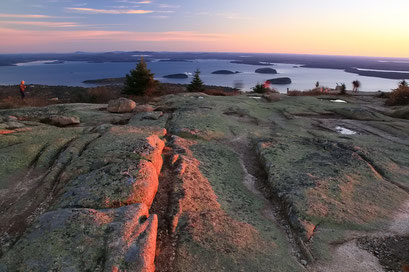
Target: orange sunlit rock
{"x":4,"y":131}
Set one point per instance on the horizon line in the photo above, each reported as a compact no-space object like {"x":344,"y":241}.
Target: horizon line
{"x":213,"y":52}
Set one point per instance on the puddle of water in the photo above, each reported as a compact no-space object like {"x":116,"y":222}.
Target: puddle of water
{"x":255,"y":97}
{"x":338,"y":101}
{"x":345,"y":131}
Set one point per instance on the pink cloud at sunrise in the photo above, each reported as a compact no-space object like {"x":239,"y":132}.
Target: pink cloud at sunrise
{"x":348,"y":27}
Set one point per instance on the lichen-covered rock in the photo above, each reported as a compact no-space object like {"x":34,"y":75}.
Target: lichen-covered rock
{"x":61,"y":121}
{"x":151,"y":115}
{"x":272,"y":97}
{"x":122,"y":239}
{"x":119,"y":168}
{"x":144,"y":108}
{"x":121,"y":105}
{"x":11,"y":118}
{"x":358,"y":113}
{"x":14,"y":125}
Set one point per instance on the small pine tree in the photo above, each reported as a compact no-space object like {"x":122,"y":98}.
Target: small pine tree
{"x":260,"y":88}
{"x":140,"y":80}
{"x":197,"y":84}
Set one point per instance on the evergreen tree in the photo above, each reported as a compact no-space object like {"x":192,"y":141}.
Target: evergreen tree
{"x":140,"y":80}
{"x":197,"y":84}
{"x":260,"y":88}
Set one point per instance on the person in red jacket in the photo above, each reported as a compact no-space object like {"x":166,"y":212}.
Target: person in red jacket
{"x":22,"y":89}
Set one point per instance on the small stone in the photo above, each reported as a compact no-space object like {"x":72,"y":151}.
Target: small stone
{"x":152,"y":115}
{"x":304,"y":262}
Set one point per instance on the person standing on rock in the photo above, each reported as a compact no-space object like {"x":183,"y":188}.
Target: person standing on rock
{"x":22,"y":89}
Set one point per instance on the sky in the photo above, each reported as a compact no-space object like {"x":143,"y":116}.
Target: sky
{"x":329,"y":27}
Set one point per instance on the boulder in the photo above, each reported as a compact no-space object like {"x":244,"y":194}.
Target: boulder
{"x":144,"y":108}
{"x":121,"y":105}
{"x":122,"y":239}
{"x":155,"y":115}
{"x":272,"y":97}
{"x":280,"y":81}
{"x":266,"y":71}
{"x":14,"y":125}
{"x":119,"y":168}
{"x":61,"y":121}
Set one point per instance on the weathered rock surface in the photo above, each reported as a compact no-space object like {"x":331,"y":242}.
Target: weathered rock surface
{"x":14,"y":125}
{"x":119,"y":168}
{"x":76,"y":175}
{"x":248,"y":184}
{"x":121,"y":105}
{"x":122,"y":239}
{"x":144,"y":108}
{"x":272,"y":97}
{"x":61,"y":121}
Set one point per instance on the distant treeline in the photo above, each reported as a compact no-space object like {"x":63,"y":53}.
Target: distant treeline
{"x":389,"y":75}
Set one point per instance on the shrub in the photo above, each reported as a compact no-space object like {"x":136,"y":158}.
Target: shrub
{"x":140,"y":81}
{"x":314,"y":92}
{"x":197,"y":84}
{"x":101,"y":95}
{"x":399,"y":96}
{"x":220,"y":92}
{"x":403,"y":84}
{"x":16,"y":102}
{"x":343,"y":89}
{"x":260,"y":88}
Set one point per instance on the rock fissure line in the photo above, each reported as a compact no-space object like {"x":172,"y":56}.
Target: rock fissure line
{"x":380,"y":172}
{"x":14,"y":144}
{"x":164,"y":205}
{"x":85,"y":147}
{"x":286,"y":212}
{"x":276,"y":208}
{"x":38,"y":155}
